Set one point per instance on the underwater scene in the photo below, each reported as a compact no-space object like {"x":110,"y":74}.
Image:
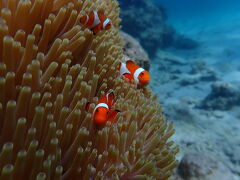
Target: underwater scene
{"x":192,"y":48}
{"x":119,"y":90}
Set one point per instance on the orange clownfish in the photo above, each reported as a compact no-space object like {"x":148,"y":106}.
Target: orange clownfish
{"x":102,"y":112}
{"x":96,"y":21}
{"x":131,"y":70}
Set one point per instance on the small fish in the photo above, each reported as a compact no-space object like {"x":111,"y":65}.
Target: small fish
{"x":96,"y":21}
{"x":103,"y":112}
{"x":131,"y":70}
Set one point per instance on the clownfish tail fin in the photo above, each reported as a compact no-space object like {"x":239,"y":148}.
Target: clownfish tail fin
{"x":102,"y":11}
{"x":87,"y":106}
{"x":119,"y":66}
{"x":83,"y":19}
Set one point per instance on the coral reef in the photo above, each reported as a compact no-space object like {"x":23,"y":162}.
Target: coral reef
{"x":50,"y":67}
{"x":181,"y":41}
{"x":146,"y":21}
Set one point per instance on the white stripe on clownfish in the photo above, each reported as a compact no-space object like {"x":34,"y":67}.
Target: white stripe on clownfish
{"x":136,"y":74}
{"x":96,"y":20}
{"x":105,"y":22}
{"x":101,"y":105}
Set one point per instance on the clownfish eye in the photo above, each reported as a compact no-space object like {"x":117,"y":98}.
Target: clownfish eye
{"x":142,"y":73}
{"x":97,"y":110}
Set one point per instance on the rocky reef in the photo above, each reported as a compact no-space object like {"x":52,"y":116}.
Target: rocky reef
{"x":133,"y":50}
{"x":223,"y":96}
{"x":146,"y":21}
{"x":199,"y":166}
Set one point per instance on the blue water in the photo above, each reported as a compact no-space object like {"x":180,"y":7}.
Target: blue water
{"x":190,"y":15}
{"x":214,"y":23}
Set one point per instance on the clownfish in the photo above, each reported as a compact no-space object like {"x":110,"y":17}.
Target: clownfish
{"x":131,"y":70}
{"x":103,"y":112}
{"x":96,"y":21}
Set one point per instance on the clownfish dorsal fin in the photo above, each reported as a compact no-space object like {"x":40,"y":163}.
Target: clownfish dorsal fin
{"x":131,"y":66}
{"x":101,"y":11}
{"x":101,"y":15}
{"x":103,"y":99}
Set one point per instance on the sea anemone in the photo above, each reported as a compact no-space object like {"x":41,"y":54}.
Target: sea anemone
{"x":50,"y":67}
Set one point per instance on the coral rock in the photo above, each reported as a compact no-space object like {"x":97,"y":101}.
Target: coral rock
{"x":195,"y":166}
{"x":223,"y":96}
{"x":133,"y":50}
